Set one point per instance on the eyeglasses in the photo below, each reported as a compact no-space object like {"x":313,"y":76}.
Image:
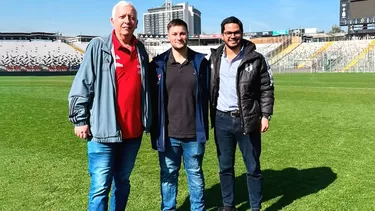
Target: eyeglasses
{"x":236,"y":33}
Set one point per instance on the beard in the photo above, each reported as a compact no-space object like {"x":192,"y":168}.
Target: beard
{"x":180,"y":47}
{"x":234,"y":47}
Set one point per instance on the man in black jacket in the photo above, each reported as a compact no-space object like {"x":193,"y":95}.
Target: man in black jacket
{"x":242,"y":99}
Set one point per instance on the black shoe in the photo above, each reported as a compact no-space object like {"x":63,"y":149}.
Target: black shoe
{"x":227,"y":209}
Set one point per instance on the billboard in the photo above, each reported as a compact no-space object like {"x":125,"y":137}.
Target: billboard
{"x":280,"y":32}
{"x":210,"y":36}
{"x":362,"y":8}
{"x":357,"y":12}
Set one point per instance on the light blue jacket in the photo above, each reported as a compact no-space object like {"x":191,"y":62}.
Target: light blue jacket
{"x":92,"y":98}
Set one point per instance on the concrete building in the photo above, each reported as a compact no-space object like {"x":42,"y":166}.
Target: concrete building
{"x":154,"y":19}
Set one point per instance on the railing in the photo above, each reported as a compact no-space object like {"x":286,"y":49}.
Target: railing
{"x":331,"y":61}
{"x":272,"y":55}
{"x":366,"y":64}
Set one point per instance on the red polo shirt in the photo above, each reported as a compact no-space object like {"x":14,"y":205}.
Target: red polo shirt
{"x":128,"y":84}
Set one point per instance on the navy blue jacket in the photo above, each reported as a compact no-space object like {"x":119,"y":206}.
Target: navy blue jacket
{"x":157,"y":72}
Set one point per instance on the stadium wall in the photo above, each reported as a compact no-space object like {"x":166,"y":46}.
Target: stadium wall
{"x":37,"y":70}
{"x":269,"y":40}
{"x":37,"y":73}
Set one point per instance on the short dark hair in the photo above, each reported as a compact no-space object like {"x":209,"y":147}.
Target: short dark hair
{"x":177,"y":22}
{"x":231,"y":19}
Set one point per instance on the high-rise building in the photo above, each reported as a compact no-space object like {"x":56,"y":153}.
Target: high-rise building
{"x":154,"y":20}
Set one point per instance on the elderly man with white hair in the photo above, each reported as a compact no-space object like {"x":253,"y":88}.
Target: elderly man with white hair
{"x":109,"y":107}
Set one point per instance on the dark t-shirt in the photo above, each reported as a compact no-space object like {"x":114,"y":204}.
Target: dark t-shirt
{"x":180,"y":98}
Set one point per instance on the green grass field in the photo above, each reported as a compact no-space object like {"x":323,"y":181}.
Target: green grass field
{"x":318,"y":154}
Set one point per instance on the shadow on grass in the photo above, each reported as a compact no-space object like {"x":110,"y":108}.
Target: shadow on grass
{"x":290,"y":183}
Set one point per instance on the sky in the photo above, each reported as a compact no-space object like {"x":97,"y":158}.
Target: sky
{"x":92,"y":17}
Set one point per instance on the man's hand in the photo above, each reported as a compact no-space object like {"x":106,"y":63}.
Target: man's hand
{"x":264,"y":125}
{"x":82,"y":131}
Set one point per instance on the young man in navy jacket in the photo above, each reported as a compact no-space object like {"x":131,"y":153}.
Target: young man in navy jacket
{"x":180,"y":93}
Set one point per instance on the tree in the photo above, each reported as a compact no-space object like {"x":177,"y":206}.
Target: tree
{"x":335,"y":29}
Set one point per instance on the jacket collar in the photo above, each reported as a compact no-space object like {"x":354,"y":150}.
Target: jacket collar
{"x":108,"y":45}
{"x":162,"y":59}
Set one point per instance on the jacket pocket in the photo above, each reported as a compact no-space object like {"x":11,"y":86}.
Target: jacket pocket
{"x":104,"y":120}
{"x":252,"y":123}
{"x":105,"y":66}
{"x":106,"y":63}
{"x":257,"y":107}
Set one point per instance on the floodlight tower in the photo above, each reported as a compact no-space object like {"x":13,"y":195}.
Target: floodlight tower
{"x":168,"y":14}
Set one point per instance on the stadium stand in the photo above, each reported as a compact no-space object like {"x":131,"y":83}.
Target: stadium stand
{"x":265,"y":49}
{"x":332,"y":56}
{"x":300,"y":55}
{"x":48,"y":52}
{"x":365,"y":61}
{"x":158,"y":49}
{"x":341,"y":53}
{"x":81,"y":45}
{"x":36,"y":55}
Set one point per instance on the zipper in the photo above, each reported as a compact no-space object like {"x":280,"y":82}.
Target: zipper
{"x":143,"y":83}
{"x":239,"y":101}
{"x":197,"y":74}
{"x":216,"y":81}
{"x":162,"y":106}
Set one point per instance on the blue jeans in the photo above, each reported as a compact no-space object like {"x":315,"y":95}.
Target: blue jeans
{"x":227,"y":134}
{"x":110,"y":164}
{"x":170,"y":162}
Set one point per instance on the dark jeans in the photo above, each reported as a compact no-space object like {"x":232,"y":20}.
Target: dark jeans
{"x":227,"y":134}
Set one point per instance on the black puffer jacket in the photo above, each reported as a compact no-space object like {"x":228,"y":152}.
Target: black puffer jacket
{"x":255,"y":88}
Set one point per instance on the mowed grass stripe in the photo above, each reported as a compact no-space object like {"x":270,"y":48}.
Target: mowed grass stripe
{"x":318,"y":154}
